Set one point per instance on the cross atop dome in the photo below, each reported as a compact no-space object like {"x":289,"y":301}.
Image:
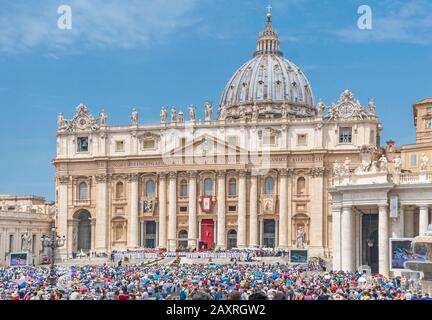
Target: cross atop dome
{"x":268,"y":42}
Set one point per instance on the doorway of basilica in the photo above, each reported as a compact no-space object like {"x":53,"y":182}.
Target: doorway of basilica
{"x":150,"y":234}
{"x":207,"y":232}
{"x":269,"y":234}
{"x":84,"y":231}
{"x":369,"y":242}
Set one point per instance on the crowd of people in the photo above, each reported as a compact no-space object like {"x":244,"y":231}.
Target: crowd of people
{"x":176,"y":281}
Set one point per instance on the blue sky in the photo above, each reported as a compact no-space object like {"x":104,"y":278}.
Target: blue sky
{"x":129,"y":54}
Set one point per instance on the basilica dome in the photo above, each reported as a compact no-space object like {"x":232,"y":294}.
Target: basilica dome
{"x":267,"y":86}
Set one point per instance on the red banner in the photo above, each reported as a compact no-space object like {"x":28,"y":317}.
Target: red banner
{"x":207,"y":204}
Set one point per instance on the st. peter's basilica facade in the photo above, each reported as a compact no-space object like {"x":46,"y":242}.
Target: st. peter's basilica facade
{"x":256,"y":175}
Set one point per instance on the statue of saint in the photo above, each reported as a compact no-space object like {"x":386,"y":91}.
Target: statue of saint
{"x":347,"y":165}
{"x":208,"y":111}
{"x":163,"y":115}
{"x":383,"y":163}
{"x":321,"y":107}
{"x":173,"y":114}
{"x":134,"y":117}
{"x":397,"y":163}
{"x":372,"y":106}
{"x":301,"y":236}
{"x":60,"y":121}
{"x":424,"y":162}
{"x":103,"y":117}
{"x":192,"y":112}
{"x":336,"y":169}
{"x":26,"y":242}
{"x":181,"y":117}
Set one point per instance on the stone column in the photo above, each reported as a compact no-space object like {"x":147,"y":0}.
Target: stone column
{"x":289,"y":210}
{"x":93,"y":232}
{"x":283,"y":214}
{"x":62,"y":218}
{"x":409,"y":222}
{"x":423,"y":220}
{"x":70,"y":235}
{"x":133,"y":233}
{"x":383,"y":240}
{"x":192,"y":233}
{"x":347,"y":248}
{"x":261,"y":232}
{"x":172,"y":211}
{"x":336,"y":238}
{"x":162,"y":211}
{"x":199,"y":230}
{"x":253,"y":214}
{"x":101,"y":235}
{"x":221,"y":205}
{"x":398,"y":224}
{"x":241,"y":225}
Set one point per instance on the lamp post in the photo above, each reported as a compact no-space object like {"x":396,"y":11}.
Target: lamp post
{"x":53,"y":242}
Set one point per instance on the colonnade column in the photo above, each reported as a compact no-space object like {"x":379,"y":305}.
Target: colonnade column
{"x":241,"y":243}
{"x":336,"y":238}
{"x":409,"y":222}
{"x":192,"y":233}
{"x":347,"y":248}
{"x":101,"y":213}
{"x":162,"y":211}
{"x":133,"y":233}
{"x":62,"y":218}
{"x":283,"y":214}
{"x":423,"y":220}
{"x":253,"y":214}
{"x":261,"y":232}
{"x":172,"y":211}
{"x":221,"y":208}
{"x":383,"y":240}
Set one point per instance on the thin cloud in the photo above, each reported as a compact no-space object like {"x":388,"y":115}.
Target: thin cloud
{"x":25,"y":26}
{"x":403,"y":22}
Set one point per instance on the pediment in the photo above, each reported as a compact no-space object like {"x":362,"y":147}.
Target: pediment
{"x":83,"y":120}
{"x":207,"y":145}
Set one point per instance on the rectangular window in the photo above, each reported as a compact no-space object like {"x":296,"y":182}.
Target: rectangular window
{"x":232,"y":208}
{"x":119,"y":145}
{"x":82,"y":144}
{"x":302,"y":139}
{"x":429,"y":109}
{"x":183,"y":209}
{"x":148,"y":144}
{"x":413,"y":160}
{"x":429,"y":124}
{"x":345,"y":135}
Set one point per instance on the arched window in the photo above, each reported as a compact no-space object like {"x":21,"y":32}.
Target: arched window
{"x":183,"y":234}
{"x":183,"y":188}
{"x":269,"y":186}
{"x":150,"y":189}
{"x":301,"y":186}
{"x":208,"y":187}
{"x":119,"y":190}
{"x":232,"y":190}
{"x":82,"y":191}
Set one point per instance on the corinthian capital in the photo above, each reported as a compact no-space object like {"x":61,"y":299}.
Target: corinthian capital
{"x":283,"y":172}
{"x":242,"y":173}
{"x":221,"y":173}
{"x":132,"y":177}
{"x":172,"y":175}
{"x":63,"y":179}
{"x":102,"y":178}
{"x":193,"y":174}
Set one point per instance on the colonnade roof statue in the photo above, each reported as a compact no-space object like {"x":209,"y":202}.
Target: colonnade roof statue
{"x":268,"y":85}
